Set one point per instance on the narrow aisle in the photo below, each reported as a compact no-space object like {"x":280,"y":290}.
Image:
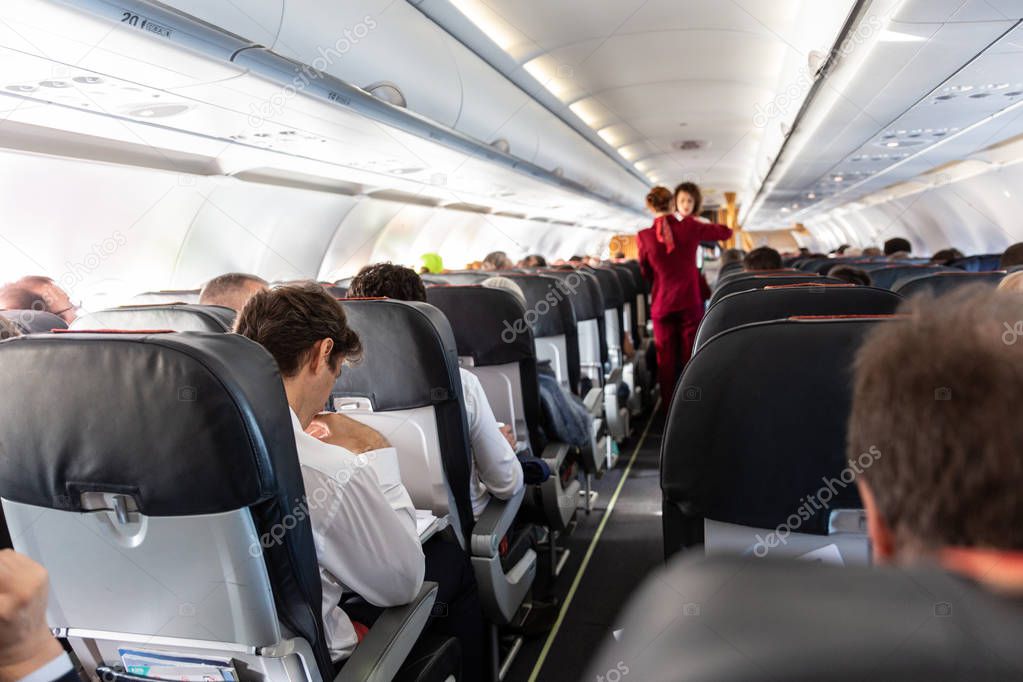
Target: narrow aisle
{"x":628,"y":549}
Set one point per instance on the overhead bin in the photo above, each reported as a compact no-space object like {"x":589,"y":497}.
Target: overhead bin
{"x":257,"y":20}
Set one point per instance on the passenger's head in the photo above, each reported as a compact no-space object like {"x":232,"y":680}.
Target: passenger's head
{"x":946,"y":256}
{"x":55,"y":300}
{"x":232,"y":290}
{"x":506,"y":284}
{"x":306,"y":331}
{"x":497,"y":260}
{"x":13,"y":297}
{"x":533,"y":260}
{"x":933,"y":434}
{"x":872,"y":251}
{"x":387,"y":280}
{"x":849,"y":274}
{"x":659,"y":201}
{"x":688,"y":199}
{"x":896,"y":245}
{"x":1012,"y":256}
{"x":1013,"y":282}
{"x":763,"y":258}
{"x":732,"y":256}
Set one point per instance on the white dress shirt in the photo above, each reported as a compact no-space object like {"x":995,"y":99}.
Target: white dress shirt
{"x":366,"y":539}
{"x":495,"y":469}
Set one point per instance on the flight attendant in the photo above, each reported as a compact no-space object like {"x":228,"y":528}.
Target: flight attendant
{"x":667,"y":257}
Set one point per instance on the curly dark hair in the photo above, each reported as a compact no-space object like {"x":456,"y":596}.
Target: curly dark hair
{"x":387,"y":280}
{"x":289,"y":320}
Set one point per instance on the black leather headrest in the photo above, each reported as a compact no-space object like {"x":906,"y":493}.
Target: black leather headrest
{"x":410,"y":360}
{"x":759,"y":281}
{"x":943,"y":282}
{"x":336,"y":291}
{"x":34,"y":321}
{"x":637,"y":273}
{"x":583,"y":290}
{"x":610,"y":287}
{"x":630,"y":288}
{"x":547,"y":309}
{"x":409,"y":355}
{"x":179,"y":317}
{"x":187,"y":423}
{"x":467,"y":278}
{"x":762,"y":305}
{"x":791,"y":382}
{"x":886,"y":277}
{"x":184,"y":424}
{"x":488,"y":324}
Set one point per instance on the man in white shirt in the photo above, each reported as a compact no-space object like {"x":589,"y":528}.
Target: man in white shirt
{"x":495,"y":469}
{"x":366,"y":539}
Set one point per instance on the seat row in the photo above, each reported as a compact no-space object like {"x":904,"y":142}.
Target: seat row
{"x":406,"y":386}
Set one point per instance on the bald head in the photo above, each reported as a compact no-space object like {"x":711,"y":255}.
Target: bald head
{"x":14,"y":297}
{"x":232,"y":290}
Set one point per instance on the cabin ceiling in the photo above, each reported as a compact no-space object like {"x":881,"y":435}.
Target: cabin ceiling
{"x":677,"y":89}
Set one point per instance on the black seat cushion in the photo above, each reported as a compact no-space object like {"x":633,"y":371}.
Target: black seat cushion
{"x":886,"y":277}
{"x":410,"y":360}
{"x":185,"y":424}
{"x":759,"y":281}
{"x":547,"y":315}
{"x":775,"y":303}
{"x":941,"y":283}
{"x":483,"y":322}
{"x":583,"y":292}
{"x":791,"y":382}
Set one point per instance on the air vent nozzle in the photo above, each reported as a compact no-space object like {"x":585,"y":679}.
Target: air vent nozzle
{"x":388,"y":92}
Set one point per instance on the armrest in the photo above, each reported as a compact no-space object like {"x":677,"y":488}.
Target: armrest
{"x":615,"y":377}
{"x":594,"y":401}
{"x":555,"y":454}
{"x":382,"y":653}
{"x":494,"y":523}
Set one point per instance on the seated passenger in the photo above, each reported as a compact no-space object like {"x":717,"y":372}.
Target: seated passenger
{"x":497,"y":260}
{"x":44,"y":295}
{"x":366,"y":539}
{"x":28,"y":650}
{"x":533,"y":260}
{"x":495,"y":470}
{"x":848,"y":273}
{"x":732,"y":256}
{"x":232,"y":290}
{"x":872,"y":252}
{"x":1012,"y":257}
{"x":1013,"y":282}
{"x":896,"y":246}
{"x":763,"y":259}
{"x":943,"y":508}
{"x":946,"y":256}
{"x":433,"y":264}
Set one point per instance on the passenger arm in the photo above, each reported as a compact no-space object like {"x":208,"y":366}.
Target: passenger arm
{"x":496,"y":464}
{"x":371,"y":547}
{"x":343,"y":431}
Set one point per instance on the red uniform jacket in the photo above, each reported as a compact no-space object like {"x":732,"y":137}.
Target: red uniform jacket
{"x":674,"y":278}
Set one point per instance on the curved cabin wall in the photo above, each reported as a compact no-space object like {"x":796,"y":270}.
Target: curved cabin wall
{"x":978,"y":214}
{"x":107,"y":232}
